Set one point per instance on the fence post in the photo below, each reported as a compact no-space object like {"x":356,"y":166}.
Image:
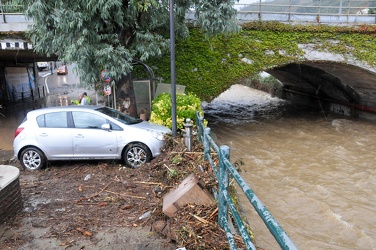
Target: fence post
{"x":206,"y":143}
{"x":200,"y":126}
{"x":188,"y":134}
{"x":224,"y":153}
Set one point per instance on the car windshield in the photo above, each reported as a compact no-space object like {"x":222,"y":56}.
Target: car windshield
{"x":121,"y":117}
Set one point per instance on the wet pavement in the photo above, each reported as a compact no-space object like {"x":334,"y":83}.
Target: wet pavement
{"x":60,"y":90}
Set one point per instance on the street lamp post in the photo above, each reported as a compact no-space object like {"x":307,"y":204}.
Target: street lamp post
{"x":173,"y":83}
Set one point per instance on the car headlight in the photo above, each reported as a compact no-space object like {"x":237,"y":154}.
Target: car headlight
{"x":157,"y":135}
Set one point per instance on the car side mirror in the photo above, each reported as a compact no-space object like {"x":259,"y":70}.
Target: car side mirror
{"x":106,"y":126}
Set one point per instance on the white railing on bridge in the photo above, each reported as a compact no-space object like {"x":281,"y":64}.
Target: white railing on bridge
{"x":12,"y":17}
{"x":340,"y":11}
{"x":336,"y":12}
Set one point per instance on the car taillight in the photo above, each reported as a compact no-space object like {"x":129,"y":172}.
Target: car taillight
{"x":18,"y":131}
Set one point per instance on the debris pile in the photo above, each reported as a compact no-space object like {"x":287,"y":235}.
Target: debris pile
{"x":75,"y":201}
{"x":192,"y":226}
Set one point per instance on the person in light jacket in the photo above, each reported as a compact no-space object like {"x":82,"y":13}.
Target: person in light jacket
{"x":85,"y":100}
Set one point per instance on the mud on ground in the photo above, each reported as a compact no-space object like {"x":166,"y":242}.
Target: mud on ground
{"x":99,"y":205}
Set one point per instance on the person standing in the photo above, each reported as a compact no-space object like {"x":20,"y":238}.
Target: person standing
{"x":85,"y":100}
{"x":51,"y":68}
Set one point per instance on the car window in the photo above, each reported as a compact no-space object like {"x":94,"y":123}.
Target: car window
{"x":87,"y":120}
{"x":53,"y":120}
{"x":115,"y":127}
{"x":119,"y":116}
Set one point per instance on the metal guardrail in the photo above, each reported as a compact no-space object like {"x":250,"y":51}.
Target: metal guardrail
{"x":339,"y":7}
{"x":12,"y":12}
{"x":11,"y":7}
{"x":342,"y":11}
{"x":222,"y":172}
{"x":25,"y":94}
{"x":346,"y":11}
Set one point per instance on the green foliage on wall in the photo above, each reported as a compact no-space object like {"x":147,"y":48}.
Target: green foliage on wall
{"x":209,"y":67}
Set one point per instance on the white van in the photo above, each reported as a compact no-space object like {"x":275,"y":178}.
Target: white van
{"x":42,"y":66}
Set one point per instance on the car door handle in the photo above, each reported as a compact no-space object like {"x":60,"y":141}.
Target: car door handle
{"x":43,"y":135}
{"x":79,"y":136}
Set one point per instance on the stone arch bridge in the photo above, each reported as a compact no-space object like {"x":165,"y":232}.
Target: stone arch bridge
{"x":322,"y":79}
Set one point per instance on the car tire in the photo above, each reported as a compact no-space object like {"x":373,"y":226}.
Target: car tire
{"x":32,"y":159}
{"x":135,"y":155}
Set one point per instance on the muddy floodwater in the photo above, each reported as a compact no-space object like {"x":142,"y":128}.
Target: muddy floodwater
{"x":315,"y":172}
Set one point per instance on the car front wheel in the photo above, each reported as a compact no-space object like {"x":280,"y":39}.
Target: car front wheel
{"x":32,"y":159}
{"x":135,"y":155}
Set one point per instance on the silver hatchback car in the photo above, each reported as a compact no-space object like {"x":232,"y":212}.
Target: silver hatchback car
{"x":85,"y":133}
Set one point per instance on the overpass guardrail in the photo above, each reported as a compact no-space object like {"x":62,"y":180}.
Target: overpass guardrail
{"x":11,"y":12}
{"x":326,"y":12}
{"x":223,"y":171}
{"x":12,"y":17}
{"x":342,"y":12}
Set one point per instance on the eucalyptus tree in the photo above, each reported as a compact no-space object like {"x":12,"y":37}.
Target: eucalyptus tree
{"x":111,"y":34}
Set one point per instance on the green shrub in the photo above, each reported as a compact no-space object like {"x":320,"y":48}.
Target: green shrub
{"x":186,"y":107}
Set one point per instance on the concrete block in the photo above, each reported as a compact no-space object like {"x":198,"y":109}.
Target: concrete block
{"x":191,"y":191}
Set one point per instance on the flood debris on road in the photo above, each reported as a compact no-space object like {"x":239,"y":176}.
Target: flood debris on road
{"x":63,"y":206}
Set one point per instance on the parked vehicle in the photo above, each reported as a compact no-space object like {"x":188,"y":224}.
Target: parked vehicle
{"x":62,"y":70}
{"x":85,"y":133}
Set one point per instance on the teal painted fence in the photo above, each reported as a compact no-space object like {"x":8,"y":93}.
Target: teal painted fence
{"x":222,"y":172}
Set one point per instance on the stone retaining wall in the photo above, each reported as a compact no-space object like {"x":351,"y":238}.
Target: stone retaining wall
{"x":10,"y":192}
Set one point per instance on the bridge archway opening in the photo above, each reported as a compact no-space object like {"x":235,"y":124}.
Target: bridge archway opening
{"x":331,"y":86}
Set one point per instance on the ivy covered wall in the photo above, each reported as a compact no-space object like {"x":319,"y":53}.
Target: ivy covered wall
{"x":209,"y":67}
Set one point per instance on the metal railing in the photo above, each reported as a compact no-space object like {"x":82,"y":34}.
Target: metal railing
{"x":349,"y":11}
{"x":11,"y":7}
{"x":331,"y":12}
{"x":25,"y":94}
{"x":222,"y":172}
{"x":12,"y":12}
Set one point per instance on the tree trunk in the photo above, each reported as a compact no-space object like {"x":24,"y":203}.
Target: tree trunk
{"x":125,"y":96}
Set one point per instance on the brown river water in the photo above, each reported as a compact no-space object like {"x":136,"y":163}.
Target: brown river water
{"x":315,"y":173}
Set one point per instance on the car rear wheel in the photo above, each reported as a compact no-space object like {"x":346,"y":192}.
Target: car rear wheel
{"x":135,"y":155}
{"x":32,"y":159}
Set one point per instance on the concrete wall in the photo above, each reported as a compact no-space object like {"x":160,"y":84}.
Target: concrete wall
{"x":10,"y":192}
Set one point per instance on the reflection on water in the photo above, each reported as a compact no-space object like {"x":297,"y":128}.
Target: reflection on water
{"x":61,"y":89}
{"x":315,"y":174}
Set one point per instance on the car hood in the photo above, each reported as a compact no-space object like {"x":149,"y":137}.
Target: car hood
{"x":152,"y":126}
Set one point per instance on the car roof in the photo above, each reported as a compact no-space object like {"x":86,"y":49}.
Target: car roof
{"x":64,"y":108}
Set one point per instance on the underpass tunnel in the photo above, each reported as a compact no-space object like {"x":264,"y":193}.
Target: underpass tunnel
{"x":337,"y":87}
{"x":315,"y":82}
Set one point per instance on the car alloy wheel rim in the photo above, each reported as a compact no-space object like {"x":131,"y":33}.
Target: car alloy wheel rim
{"x":31,"y":159}
{"x":136,"y":156}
